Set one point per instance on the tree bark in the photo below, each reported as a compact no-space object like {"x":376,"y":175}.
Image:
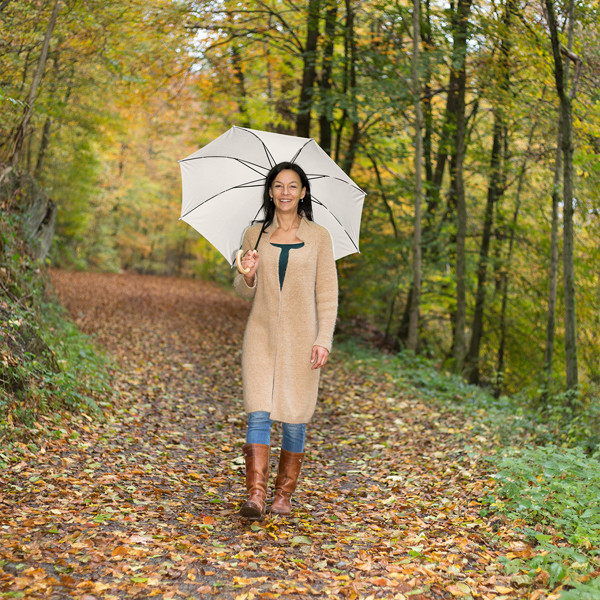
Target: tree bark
{"x":457,"y":187}
{"x":495,"y":192}
{"x":309,"y":71}
{"x":427,"y":109}
{"x":504,"y":282}
{"x":325,"y":81}
{"x":238,"y":72}
{"x":21,"y":130}
{"x":493,"y":195}
{"x":553,"y":275}
{"x":413,"y":322}
{"x":45,"y":141}
{"x":565,"y":101}
{"x":43,"y":148}
{"x":351,"y":55}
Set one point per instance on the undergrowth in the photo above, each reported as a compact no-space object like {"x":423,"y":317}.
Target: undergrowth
{"x":48,"y":369}
{"x":546,"y":464}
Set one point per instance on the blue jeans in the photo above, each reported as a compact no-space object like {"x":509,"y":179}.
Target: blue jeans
{"x":259,"y":432}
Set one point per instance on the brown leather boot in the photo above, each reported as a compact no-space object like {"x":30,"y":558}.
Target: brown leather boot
{"x":257,"y":476}
{"x":290,"y":464}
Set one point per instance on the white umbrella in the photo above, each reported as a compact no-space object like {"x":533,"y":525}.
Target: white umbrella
{"x":223,"y":183}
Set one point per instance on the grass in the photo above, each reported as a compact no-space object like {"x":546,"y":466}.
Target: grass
{"x":48,"y":369}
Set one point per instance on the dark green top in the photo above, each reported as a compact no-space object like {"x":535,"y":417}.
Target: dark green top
{"x":283,"y":258}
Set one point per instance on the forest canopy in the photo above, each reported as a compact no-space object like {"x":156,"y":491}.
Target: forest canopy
{"x":475,"y":124}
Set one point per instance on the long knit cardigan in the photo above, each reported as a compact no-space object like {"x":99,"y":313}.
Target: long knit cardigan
{"x":284,"y":324}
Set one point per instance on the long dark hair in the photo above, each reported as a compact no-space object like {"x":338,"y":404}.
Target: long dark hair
{"x":304,"y":207}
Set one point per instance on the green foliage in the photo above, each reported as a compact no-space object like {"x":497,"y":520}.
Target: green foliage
{"x":552,"y":489}
{"x":46,"y":365}
{"x":501,"y":421}
{"x":555,"y":492}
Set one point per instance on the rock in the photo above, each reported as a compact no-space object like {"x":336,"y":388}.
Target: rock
{"x":21,"y":193}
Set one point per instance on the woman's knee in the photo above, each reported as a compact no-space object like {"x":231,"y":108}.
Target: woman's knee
{"x":293,"y":436}
{"x":259,"y":418}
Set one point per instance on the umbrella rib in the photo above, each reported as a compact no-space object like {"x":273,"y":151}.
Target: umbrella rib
{"x":246,"y":163}
{"x":249,"y":184}
{"x":316,"y":201}
{"x":351,"y":183}
{"x":300,"y":150}
{"x":267,"y":152}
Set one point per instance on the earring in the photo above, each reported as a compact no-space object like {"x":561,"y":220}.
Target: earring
{"x":302,"y":199}
{"x":271,"y":198}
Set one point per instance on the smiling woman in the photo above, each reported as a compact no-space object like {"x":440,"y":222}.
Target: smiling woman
{"x":289,"y":271}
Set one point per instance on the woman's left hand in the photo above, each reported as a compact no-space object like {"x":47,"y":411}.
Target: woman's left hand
{"x":319,"y":356}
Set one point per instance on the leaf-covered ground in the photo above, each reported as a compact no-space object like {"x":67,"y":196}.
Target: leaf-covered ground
{"x":144,"y":504}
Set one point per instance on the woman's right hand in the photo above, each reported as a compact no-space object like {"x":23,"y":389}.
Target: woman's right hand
{"x":250,"y":261}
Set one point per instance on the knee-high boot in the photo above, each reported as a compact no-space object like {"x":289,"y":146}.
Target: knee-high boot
{"x":257,"y":476}
{"x":290,"y":464}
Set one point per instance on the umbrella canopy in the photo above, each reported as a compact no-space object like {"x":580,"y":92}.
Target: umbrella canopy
{"x":223,"y":183}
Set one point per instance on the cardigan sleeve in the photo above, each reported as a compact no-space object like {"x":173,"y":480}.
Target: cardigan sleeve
{"x":239,"y":283}
{"x":326,"y":292}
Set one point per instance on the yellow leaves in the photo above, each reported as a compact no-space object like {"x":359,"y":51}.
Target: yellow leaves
{"x":459,"y":589}
{"x":120,"y":552}
{"x":174,"y":531}
{"x":38,"y":573}
{"x":249,"y":580}
{"x":300,"y":539}
{"x":209,"y":520}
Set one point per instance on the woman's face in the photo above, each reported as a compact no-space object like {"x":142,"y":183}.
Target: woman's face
{"x":286,"y":191}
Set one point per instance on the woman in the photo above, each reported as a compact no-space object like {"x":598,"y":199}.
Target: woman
{"x":292,"y":280}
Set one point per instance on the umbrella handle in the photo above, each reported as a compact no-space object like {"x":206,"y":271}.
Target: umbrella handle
{"x":238,"y":262}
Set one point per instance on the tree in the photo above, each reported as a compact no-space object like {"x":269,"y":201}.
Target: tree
{"x":495,"y":191}
{"x":21,"y":130}
{"x":309,"y":71}
{"x":561,"y":78}
{"x":457,"y":185}
{"x":553,"y":271}
{"x":325,"y":79}
{"x":418,"y":162}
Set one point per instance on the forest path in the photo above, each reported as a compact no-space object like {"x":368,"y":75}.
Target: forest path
{"x":144,"y":504}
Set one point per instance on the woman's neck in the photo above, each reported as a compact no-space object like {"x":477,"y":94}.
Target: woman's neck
{"x":288,"y":222}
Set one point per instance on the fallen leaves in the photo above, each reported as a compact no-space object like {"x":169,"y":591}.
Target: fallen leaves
{"x":144,"y":504}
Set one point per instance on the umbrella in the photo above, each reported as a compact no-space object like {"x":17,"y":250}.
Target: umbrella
{"x":223,"y":183}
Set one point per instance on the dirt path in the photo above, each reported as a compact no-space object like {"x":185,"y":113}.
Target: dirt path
{"x":144,"y":505}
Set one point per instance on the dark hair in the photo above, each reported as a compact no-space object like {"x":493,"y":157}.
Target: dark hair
{"x":304,"y":207}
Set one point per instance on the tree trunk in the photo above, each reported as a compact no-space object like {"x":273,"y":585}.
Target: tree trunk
{"x":45,"y":141}
{"x":350,"y":155}
{"x":309,"y":71}
{"x":346,"y":75}
{"x":43,"y":148}
{"x":427,"y":109}
{"x":504,"y":284}
{"x":21,"y":130}
{"x":553,"y":275}
{"x":413,"y":322}
{"x":325,"y":82}
{"x":448,"y":135}
{"x":238,"y":72}
{"x":561,"y":81}
{"x":457,"y":188}
{"x":494,"y":193}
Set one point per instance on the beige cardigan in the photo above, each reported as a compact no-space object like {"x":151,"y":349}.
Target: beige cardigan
{"x":285,"y":324}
